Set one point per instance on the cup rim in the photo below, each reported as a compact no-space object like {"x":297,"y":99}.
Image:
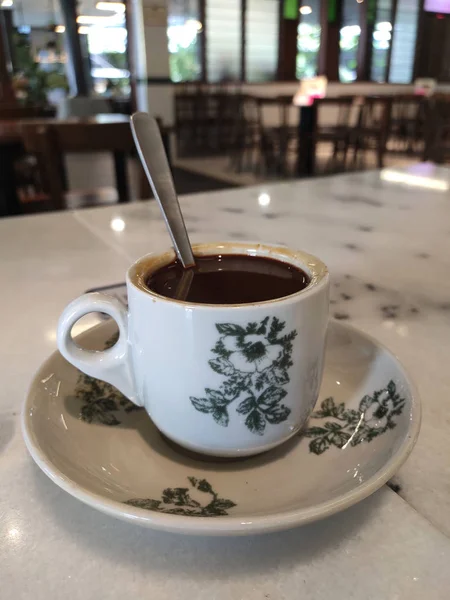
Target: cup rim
{"x":313,"y":266}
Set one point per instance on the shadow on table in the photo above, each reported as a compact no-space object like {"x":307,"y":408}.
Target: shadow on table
{"x":216,"y":558}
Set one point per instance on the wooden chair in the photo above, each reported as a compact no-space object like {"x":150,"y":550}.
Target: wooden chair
{"x":372,"y":128}
{"x":407,"y":124}
{"x":50,"y":141}
{"x":278,"y":134}
{"x":334,"y":126}
{"x":185,"y":122}
{"x":437,"y":139}
{"x":204,"y":119}
{"x":245,"y":135}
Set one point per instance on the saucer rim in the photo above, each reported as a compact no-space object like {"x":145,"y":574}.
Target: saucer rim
{"x":227,"y":525}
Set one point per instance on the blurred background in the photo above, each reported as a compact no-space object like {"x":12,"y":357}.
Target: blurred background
{"x":244,"y":90}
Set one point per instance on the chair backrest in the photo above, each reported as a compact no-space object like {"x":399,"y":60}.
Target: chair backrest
{"x":336,"y":112}
{"x":50,"y":140}
{"x":406,"y":107}
{"x":374,"y":114}
{"x":276,"y":112}
{"x":408,"y":114}
{"x":184,"y":108}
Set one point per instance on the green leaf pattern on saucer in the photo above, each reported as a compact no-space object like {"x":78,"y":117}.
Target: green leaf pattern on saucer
{"x":375,"y":415}
{"x":178,"y":501}
{"x":255,"y":361}
{"x":100,"y":401}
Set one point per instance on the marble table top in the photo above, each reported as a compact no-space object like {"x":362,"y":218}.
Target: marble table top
{"x":386,"y":239}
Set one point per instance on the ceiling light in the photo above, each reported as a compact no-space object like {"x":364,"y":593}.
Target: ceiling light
{"x":6,"y":3}
{"x":381,"y":36}
{"x":99,"y":20}
{"x":383,"y":26}
{"x":305,"y":10}
{"x":118,"y":7}
{"x":59,"y":29}
{"x":195,"y":24}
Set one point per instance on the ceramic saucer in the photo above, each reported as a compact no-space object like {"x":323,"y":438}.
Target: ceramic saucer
{"x":96,"y":445}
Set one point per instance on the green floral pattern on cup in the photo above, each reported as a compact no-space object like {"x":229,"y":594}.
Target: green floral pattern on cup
{"x":254,"y":360}
{"x":349,"y":427}
{"x":100,"y":401}
{"x":178,"y":501}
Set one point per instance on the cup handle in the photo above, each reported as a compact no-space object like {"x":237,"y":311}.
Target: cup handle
{"x":112,"y":365}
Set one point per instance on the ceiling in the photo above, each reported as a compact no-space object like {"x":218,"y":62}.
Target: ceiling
{"x":39,"y":13}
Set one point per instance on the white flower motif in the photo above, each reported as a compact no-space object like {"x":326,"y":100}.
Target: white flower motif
{"x":251,"y":352}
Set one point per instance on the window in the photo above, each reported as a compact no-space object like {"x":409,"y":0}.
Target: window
{"x":107,"y":51}
{"x":381,"y":41}
{"x":223,"y":41}
{"x":308,"y":39}
{"x":183,"y":29}
{"x":261,"y":41}
{"x":349,"y":41}
{"x":404,"y":41}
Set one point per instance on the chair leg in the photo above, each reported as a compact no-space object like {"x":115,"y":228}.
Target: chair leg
{"x":50,"y":166}
{"x":120,"y":167}
{"x":380,"y":154}
{"x":345,"y":152}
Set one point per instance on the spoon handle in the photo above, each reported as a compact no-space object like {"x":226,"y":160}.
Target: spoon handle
{"x":149,"y":144}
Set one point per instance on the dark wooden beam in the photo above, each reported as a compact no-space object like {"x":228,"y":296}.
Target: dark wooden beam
{"x":243,"y":40}
{"x":389,"y":54}
{"x":287,"y":46}
{"x":367,"y":14}
{"x":130,"y":55}
{"x":203,"y":41}
{"x":330,"y":25}
{"x":78,"y":79}
{"x":7,"y":95}
{"x":421,"y":40}
{"x":8,"y":25}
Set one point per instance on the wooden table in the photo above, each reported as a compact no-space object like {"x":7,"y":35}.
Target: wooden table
{"x":11,"y":145}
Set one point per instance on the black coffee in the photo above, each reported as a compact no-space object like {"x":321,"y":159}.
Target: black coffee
{"x":228,"y":279}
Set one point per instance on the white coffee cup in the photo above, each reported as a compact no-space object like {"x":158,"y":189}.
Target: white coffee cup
{"x":224,"y":380}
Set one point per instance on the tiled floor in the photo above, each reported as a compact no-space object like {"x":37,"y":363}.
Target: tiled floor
{"x":219,"y":167}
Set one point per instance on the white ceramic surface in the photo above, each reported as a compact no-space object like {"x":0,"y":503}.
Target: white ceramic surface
{"x":386,"y":546}
{"x":194,"y":367}
{"x":93,"y":443}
